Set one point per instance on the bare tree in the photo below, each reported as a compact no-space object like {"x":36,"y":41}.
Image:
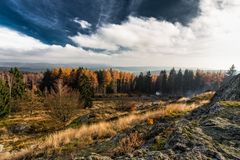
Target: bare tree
{"x":63,"y":102}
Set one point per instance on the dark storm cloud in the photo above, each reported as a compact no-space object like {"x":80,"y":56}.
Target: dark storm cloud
{"x":52,"y":21}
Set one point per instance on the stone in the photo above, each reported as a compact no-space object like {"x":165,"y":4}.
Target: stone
{"x":20,"y":128}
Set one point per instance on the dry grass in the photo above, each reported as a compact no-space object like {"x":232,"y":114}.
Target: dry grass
{"x":128,"y":144}
{"x":150,"y":121}
{"x":86,"y":133}
{"x":230,"y":103}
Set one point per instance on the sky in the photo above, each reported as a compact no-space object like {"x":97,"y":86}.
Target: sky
{"x":180,"y":33}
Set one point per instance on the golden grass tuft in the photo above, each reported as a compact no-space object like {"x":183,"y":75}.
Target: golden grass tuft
{"x":128,"y":144}
{"x":150,"y":121}
{"x":230,"y":103}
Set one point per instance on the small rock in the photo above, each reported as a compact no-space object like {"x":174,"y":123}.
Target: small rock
{"x":95,"y":156}
{"x":20,"y":128}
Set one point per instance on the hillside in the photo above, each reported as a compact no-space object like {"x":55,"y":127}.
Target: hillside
{"x":209,"y":132}
{"x":185,"y":129}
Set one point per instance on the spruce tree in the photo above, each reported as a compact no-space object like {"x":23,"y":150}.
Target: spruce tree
{"x":4,"y":99}
{"x":86,"y":91}
{"x":164,"y":82}
{"x":18,"y":86}
{"x":171,"y":81}
{"x":232,"y":71}
{"x":148,"y":82}
{"x":140,"y":83}
{"x":179,"y":82}
{"x":47,"y":82}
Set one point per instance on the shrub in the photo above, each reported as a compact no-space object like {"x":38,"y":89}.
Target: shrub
{"x":133,"y":107}
{"x":129,"y":144}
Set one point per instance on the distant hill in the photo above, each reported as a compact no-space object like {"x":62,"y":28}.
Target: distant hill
{"x":40,"y":67}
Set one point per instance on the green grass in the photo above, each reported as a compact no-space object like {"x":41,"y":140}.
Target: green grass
{"x":230,"y":103}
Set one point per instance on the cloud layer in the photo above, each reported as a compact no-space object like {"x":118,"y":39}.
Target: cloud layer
{"x":208,"y":41}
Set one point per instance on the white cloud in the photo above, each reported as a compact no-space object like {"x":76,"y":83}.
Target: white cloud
{"x":11,"y":40}
{"x":83,"y":24}
{"x":210,"y":40}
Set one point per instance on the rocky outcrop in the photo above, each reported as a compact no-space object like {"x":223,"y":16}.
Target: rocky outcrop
{"x":230,"y":90}
{"x":210,"y":132}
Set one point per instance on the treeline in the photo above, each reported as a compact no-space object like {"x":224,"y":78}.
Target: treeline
{"x":60,"y":87}
{"x":179,"y":83}
{"x":109,"y":81}
{"x":101,"y":81}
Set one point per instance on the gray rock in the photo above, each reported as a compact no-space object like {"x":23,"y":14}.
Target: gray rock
{"x":20,"y":128}
{"x":95,"y":156}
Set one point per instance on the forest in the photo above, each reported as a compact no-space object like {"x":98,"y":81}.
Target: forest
{"x":87,"y":84}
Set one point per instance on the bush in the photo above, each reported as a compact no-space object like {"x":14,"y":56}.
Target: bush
{"x":129,"y":144}
{"x":133,"y":107}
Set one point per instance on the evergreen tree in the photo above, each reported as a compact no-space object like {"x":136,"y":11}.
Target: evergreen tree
{"x":232,"y":71}
{"x":47,"y":81}
{"x":188,"y":79}
{"x":140,"y":83}
{"x":171,"y":81}
{"x":18,"y":86}
{"x":164,"y":82}
{"x":86,"y":91}
{"x":148,"y":82}
{"x":179,"y":82}
{"x":4,"y":99}
{"x":100,"y":76}
{"x":158,"y":83}
{"x":191,"y":80}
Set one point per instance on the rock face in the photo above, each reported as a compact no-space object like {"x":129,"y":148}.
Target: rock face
{"x":230,"y":90}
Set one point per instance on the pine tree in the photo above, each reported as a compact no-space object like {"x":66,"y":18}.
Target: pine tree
{"x":4,"y":99}
{"x":148,"y":82}
{"x":164,"y":82}
{"x":18,"y":86}
{"x":232,"y":71}
{"x":100,"y":77}
{"x":48,"y":81}
{"x":86,"y":91}
{"x":179,"y":82}
{"x":171,"y":81}
{"x":140,"y":83}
